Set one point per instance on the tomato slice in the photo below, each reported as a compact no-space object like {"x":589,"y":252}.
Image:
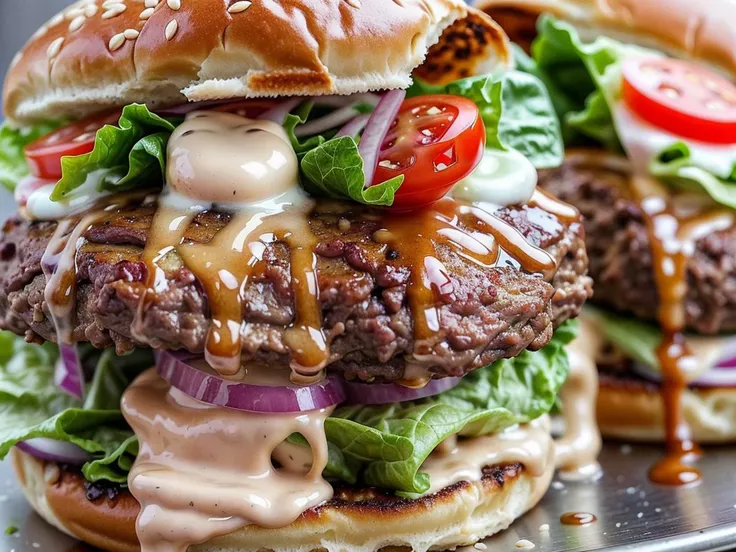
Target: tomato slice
{"x":435,"y":141}
{"x":44,"y":155}
{"x":682,"y":98}
{"x":248,"y":108}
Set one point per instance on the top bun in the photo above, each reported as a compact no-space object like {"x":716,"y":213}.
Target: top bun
{"x":703,"y":30}
{"x":99,"y":54}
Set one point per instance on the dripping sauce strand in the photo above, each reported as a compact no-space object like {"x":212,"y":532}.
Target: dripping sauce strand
{"x":226,"y":264}
{"x":59,"y":261}
{"x":673,"y":236}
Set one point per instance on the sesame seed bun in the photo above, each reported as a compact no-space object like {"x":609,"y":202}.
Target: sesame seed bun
{"x":631,"y":409}
{"x":700,"y":30}
{"x":362,"y":520}
{"x":96,"y":55}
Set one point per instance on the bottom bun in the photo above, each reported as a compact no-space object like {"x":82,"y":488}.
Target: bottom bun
{"x":363,"y":520}
{"x":631,"y":409}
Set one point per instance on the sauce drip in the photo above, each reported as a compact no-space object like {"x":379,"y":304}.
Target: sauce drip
{"x":483,"y":239}
{"x":672,"y":240}
{"x":194,"y":481}
{"x":59,"y":264}
{"x":463,"y":459}
{"x":578,"y":518}
{"x":578,"y":449}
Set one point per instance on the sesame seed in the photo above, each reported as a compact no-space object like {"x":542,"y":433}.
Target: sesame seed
{"x":114,"y":10}
{"x":90,"y":10}
{"x":152,"y":3}
{"x":174,"y":4}
{"x":131,"y":34}
{"x":54,"y":47}
{"x":239,"y":7}
{"x":117,"y":42}
{"x":74,"y":13}
{"x":171,"y":29}
{"x":480,"y":546}
{"x":107,"y":4}
{"x":16,"y":59}
{"x":148,"y":12}
{"x":77,"y":23}
{"x":544,"y":528}
{"x":525,"y":544}
{"x":41,"y":31}
{"x":58,"y":18}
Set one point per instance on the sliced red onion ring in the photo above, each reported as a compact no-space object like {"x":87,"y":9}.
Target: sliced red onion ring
{"x":210,"y":388}
{"x":332,"y":120}
{"x":69,"y":374}
{"x":386,"y":393}
{"x":354,"y":127}
{"x":278,"y":114}
{"x":717,"y":376}
{"x":376,"y":130}
{"x":191,"y":106}
{"x":54,"y":451}
{"x":342,"y":101}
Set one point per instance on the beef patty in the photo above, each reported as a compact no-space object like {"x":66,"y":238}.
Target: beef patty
{"x":486,"y":314}
{"x":620,"y":256}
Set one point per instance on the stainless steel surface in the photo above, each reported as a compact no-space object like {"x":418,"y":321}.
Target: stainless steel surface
{"x":632,"y":513}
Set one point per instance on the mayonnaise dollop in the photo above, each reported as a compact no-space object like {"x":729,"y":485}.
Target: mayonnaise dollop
{"x":501,"y":178}
{"x":225,"y":158}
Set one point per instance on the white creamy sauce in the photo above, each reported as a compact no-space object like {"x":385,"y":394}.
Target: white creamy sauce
{"x":204,"y":471}
{"x":39,"y":205}
{"x":226,"y":158}
{"x":578,"y":448}
{"x":502,"y":178}
{"x":530,"y":445}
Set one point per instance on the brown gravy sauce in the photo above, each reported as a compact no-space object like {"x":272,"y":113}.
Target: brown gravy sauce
{"x":674,"y":227}
{"x":577,"y":518}
{"x":204,"y":471}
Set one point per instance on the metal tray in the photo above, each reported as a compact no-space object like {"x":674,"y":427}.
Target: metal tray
{"x":632,"y":513}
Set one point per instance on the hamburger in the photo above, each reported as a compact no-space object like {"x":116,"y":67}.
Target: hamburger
{"x":647,"y":102}
{"x":281,"y":277}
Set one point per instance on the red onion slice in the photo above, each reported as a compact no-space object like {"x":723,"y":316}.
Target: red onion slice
{"x":377,"y":129}
{"x":210,"y":388}
{"x":183,"y":109}
{"x":332,"y":120}
{"x":354,"y":127}
{"x":54,"y":451}
{"x":69,"y":374}
{"x":717,"y":376}
{"x":278,"y":114}
{"x":386,"y":393}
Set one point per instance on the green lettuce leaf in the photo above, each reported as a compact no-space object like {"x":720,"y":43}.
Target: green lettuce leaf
{"x":13,"y":164}
{"x":335,"y":169}
{"x":678,"y":167}
{"x":393,"y":441}
{"x":130,"y":155}
{"x":517,"y":112}
{"x":581,"y":77}
{"x":637,"y":339}
{"x":31,"y":406}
